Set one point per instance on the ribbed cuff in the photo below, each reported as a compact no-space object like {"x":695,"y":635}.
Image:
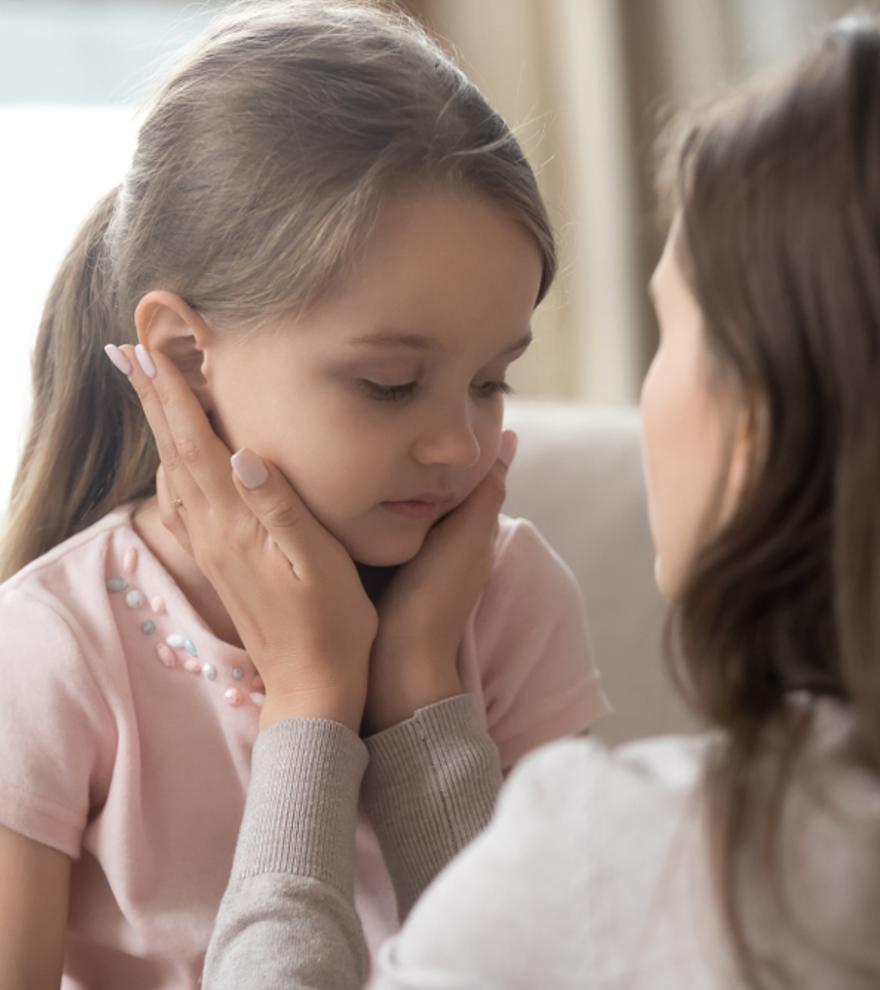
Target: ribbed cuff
{"x":430,"y":788}
{"x":301,"y":809}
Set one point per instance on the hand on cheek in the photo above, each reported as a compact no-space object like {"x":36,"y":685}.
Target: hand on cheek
{"x":423,"y":614}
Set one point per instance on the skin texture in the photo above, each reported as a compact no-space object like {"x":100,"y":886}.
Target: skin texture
{"x":695,"y":431}
{"x":354,"y":424}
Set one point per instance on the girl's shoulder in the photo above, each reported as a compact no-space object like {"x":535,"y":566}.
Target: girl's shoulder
{"x":526,"y":562}
{"x":64,"y":592}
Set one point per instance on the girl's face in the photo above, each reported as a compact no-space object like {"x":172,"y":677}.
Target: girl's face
{"x":695,"y":442}
{"x":383,"y":406}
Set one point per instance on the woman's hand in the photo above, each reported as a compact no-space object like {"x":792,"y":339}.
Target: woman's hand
{"x":423,"y":613}
{"x":290,"y":588}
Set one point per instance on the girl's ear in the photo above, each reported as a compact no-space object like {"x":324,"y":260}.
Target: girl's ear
{"x":165,"y":322}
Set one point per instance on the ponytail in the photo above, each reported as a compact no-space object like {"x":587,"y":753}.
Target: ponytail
{"x":84,"y":414}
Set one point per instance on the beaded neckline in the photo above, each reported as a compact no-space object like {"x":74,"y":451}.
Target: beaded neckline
{"x":176,"y":649}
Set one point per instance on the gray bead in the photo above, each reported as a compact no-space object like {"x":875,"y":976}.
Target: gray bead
{"x":237,"y":673}
{"x":116,"y":584}
{"x":148,"y":627}
{"x":210,"y":672}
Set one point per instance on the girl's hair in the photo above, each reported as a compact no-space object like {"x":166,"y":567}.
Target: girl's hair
{"x":259,"y":169}
{"x":778,"y":191}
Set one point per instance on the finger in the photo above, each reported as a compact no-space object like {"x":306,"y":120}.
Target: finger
{"x":477,"y":516}
{"x":180,"y":479}
{"x":194,"y":456}
{"x":284,"y":515}
{"x":173,"y":519}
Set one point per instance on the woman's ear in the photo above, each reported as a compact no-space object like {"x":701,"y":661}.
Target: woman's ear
{"x":165,"y":322}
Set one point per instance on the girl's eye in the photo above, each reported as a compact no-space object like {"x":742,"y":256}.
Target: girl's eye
{"x":387,"y":393}
{"x":487,"y":389}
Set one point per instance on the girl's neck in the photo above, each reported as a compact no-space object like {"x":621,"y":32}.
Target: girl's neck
{"x":181,"y":566}
{"x":198,"y":590}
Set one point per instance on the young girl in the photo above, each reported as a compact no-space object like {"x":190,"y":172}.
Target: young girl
{"x":749,"y":857}
{"x":336,"y":241}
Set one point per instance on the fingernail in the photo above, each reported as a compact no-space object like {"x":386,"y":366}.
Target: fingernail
{"x":118,"y":358}
{"x":249,"y":469}
{"x":507,"y":450}
{"x":145,"y":361}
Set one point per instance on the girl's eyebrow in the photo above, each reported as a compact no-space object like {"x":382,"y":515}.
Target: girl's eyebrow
{"x":420,"y":342}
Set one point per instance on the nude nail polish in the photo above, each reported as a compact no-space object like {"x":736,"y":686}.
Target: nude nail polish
{"x":145,"y":361}
{"x":118,"y":358}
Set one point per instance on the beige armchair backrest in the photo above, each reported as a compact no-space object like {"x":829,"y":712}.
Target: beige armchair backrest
{"x":578,"y":477}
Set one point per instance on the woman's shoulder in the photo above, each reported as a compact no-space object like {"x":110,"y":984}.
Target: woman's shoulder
{"x":575,"y":776}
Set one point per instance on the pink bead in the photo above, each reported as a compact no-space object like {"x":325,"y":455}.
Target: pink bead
{"x":130,"y":561}
{"x":166,"y":655}
{"x":193,"y":666}
{"x":233,"y":697}
{"x":257,"y":682}
{"x":157,"y":604}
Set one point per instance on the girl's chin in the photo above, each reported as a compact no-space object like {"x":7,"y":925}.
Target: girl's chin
{"x":391,"y":553}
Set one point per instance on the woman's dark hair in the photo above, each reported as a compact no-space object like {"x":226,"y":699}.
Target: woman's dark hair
{"x":778,"y":197}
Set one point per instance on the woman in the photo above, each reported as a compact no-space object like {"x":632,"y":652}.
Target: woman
{"x":749,"y":856}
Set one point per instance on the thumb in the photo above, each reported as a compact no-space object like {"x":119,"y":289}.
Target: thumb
{"x":274,"y":501}
{"x":485,"y":501}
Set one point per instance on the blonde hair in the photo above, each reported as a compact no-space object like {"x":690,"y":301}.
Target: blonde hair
{"x":259,"y":169}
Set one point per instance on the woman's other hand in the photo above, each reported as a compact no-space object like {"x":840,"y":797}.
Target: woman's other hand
{"x":423,"y":613}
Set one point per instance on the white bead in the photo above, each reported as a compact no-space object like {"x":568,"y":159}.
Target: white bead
{"x":210,"y":672}
{"x":175,"y":640}
{"x":257,"y":697}
{"x":134,"y":598}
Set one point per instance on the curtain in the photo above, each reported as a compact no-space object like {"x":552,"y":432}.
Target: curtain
{"x":589,"y":85}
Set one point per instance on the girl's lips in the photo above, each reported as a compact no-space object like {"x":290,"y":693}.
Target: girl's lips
{"x":419,"y":509}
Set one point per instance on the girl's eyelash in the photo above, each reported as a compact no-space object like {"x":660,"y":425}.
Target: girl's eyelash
{"x":387,"y":393}
{"x":397,"y":393}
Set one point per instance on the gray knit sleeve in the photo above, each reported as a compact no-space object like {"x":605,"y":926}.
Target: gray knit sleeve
{"x":429,"y":789}
{"x":287,"y":918}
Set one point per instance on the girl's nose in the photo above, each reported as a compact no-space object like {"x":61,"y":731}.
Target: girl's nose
{"x":452,"y":443}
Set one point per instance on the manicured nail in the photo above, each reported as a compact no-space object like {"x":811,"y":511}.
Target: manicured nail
{"x":145,"y":361}
{"x":118,"y":358}
{"x":249,"y":469}
{"x":508,"y":447}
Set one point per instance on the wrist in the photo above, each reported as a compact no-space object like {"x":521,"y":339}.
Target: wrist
{"x":311,"y":704}
{"x":388,"y":706}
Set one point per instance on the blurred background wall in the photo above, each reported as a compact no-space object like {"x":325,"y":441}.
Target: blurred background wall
{"x":588,"y":84}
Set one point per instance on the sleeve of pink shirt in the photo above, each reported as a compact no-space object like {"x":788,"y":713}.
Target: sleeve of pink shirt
{"x":539,"y":681}
{"x":54,"y":728}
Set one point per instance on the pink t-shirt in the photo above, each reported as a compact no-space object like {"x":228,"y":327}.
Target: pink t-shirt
{"x":127,"y":730}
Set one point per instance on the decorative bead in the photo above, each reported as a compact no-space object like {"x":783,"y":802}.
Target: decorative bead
{"x":190,"y":647}
{"x":129,"y":562}
{"x":116,"y":584}
{"x":166,"y":655}
{"x":237,"y":673}
{"x":233,"y":697}
{"x":175,"y":640}
{"x":157,"y":604}
{"x":148,"y":628}
{"x":134,"y":598}
{"x":210,"y":672}
{"x":257,"y":682}
{"x":193,"y":666}
{"x":257,"y":697}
